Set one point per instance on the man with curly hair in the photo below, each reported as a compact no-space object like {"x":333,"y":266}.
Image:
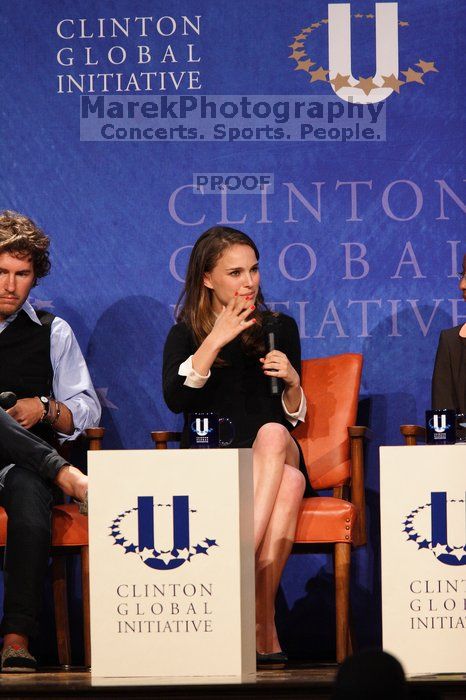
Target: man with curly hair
{"x":42,"y":365}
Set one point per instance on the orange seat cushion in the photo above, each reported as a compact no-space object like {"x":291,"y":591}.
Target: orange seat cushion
{"x":69,"y":527}
{"x":324,"y":519}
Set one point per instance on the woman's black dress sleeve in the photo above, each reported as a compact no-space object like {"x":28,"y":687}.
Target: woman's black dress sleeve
{"x":178,"y":347}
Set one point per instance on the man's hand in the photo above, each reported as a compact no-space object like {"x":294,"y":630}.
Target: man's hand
{"x":27,"y":412}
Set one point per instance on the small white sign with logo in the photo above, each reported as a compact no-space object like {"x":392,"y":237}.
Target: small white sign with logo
{"x":423,"y":529}
{"x":171,"y":542}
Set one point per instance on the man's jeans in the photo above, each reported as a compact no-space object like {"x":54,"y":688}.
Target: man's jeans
{"x":26,"y":495}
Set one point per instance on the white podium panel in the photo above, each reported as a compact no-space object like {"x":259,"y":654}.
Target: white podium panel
{"x":171,"y":542}
{"x":423,"y":529}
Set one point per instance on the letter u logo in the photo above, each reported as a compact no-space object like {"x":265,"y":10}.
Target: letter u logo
{"x":147,"y":529}
{"x":386,"y":48}
{"x":447,"y":553}
{"x":441,"y":426}
{"x":201,"y":431}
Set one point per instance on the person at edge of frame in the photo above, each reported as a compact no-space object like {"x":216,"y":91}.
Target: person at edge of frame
{"x":41,"y":363}
{"x":449,"y":376}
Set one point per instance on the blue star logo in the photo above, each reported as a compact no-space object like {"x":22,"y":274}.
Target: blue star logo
{"x":445,"y":553}
{"x":151,"y":556}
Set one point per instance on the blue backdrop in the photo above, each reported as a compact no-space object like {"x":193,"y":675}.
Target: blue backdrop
{"x":362,"y":267}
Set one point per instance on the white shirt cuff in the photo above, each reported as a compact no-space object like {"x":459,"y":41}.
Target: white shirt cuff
{"x":193,"y":379}
{"x":299,"y":415}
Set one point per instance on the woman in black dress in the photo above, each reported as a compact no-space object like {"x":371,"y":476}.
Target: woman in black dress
{"x":449,"y":377}
{"x":215,"y":360}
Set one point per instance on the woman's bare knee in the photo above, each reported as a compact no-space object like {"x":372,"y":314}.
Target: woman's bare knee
{"x":272,"y":437}
{"x":293,"y":482}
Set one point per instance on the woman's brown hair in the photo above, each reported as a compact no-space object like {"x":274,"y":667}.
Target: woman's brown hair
{"x":194,"y":306}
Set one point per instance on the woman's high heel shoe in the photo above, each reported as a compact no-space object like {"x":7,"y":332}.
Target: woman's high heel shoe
{"x":275,"y":661}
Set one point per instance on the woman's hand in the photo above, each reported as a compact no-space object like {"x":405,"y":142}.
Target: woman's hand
{"x":232,"y":320}
{"x":276,"y":364}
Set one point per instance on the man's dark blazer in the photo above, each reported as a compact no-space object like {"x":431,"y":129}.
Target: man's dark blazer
{"x":449,"y":378}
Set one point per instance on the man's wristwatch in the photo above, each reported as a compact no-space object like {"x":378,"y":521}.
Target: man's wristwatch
{"x":46,"y":407}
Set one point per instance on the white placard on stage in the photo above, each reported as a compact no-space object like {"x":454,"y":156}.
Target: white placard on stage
{"x":171,"y":541}
{"x":423,"y":530}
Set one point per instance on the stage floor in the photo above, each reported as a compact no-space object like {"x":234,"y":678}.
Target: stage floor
{"x":305,"y":681}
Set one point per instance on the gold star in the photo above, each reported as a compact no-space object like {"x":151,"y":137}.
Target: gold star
{"x":427,"y":66}
{"x":324,"y":21}
{"x":315,"y":25}
{"x":340,"y":81}
{"x":370,"y":16}
{"x":308,"y":30}
{"x":403,"y":24}
{"x":305,"y":65}
{"x":366,"y":85}
{"x":319,"y":74}
{"x":392,"y":82}
{"x":297,"y":55}
{"x":359,"y":15}
{"x":296,"y":45}
{"x":413,"y":76}
{"x":300,"y":37}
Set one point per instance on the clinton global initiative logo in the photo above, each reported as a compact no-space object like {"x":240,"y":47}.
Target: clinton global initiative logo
{"x":200,"y":426}
{"x":361,"y":90}
{"x":161,"y":534}
{"x":439,"y":526}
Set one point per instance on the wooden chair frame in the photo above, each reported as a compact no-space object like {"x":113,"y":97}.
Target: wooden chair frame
{"x":413,"y":433}
{"x":59,"y":556}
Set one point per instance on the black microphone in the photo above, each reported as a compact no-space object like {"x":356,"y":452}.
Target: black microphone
{"x":7,"y":399}
{"x":274,"y":384}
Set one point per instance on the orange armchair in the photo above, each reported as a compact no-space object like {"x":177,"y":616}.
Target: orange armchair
{"x":69,"y":536}
{"x":333,"y":449}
